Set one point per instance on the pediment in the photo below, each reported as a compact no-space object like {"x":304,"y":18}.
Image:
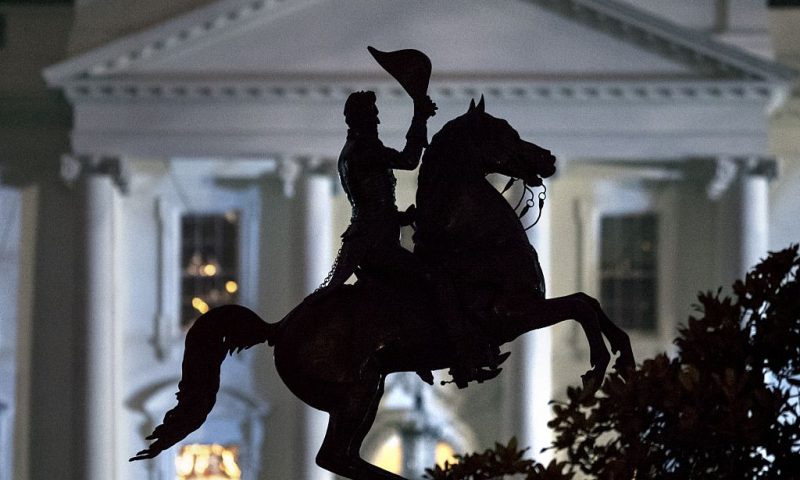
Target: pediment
{"x":461,"y":37}
{"x":515,"y":39}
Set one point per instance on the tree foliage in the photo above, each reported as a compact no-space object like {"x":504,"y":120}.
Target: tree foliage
{"x":495,"y":463}
{"x":726,"y":406}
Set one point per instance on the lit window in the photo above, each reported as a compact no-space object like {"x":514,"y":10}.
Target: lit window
{"x":390,"y":455}
{"x":628,"y":270}
{"x":209,"y":263}
{"x":445,"y":453}
{"x":208,"y":462}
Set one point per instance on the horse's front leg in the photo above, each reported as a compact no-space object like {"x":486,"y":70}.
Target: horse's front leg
{"x":617,"y":338}
{"x":524,"y":316}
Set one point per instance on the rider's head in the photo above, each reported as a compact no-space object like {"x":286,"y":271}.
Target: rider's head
{"x":360,"y":110}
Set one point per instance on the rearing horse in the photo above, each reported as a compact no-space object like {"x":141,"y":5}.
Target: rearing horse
{"x":335,"y":354}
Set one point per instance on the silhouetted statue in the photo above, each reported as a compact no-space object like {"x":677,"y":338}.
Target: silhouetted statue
{"x":473,"y":277}
{"x":371,"y":244}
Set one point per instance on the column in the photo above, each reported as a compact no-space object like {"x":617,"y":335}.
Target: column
{"x":21,"y":430}
{"x":317,"y":216}
{"x":538,"y":348}
{"x":741,"y":184}
{"x":318,"y":228}
{"x":4,"y":450}
{"x":527,"y":375}
{"x":99,"y":178}
{"x":753,"y":197}
{"x":10,"y":250}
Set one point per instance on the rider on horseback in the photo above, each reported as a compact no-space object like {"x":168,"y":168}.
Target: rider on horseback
{"x":371,"y":243}
{"x":465,"y":229}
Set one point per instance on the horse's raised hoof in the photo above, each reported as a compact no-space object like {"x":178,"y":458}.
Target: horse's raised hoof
{"x":625,"y":366}
{"x":592,"y":380}
{"x":621,"y":345}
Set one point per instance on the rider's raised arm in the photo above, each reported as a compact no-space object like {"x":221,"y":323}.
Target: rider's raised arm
{"x":416,"y":138}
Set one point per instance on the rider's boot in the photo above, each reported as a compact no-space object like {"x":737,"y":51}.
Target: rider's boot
{"x":463,"y":375}
{"x":472,"y":351}
{"x":476,"y":359}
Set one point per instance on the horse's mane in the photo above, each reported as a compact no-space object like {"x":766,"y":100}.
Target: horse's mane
{"x":451,"y":138}
{"x":452,"y":190}
{"x":449,"y":145}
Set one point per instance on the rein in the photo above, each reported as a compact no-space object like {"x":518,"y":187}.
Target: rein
{"x":529,"y":202}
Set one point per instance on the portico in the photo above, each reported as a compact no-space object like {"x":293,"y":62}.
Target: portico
{"x":217,"y":107}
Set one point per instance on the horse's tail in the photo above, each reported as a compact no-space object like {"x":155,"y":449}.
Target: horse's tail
{"x":214,"y":334}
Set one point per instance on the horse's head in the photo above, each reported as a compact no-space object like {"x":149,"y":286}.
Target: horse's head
{"x":502,"y":150}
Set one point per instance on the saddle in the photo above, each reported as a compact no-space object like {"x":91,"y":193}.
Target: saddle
{"x":486,"y":366}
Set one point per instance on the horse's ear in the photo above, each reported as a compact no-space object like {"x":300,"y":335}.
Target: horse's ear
{"x":481,"y":105}
{"x":471,"y":105}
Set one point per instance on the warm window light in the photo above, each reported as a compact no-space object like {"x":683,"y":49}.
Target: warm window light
{"x":390,"y":455}
{"x":209,"y":269}
{"x":209,"y":259}
{"x":199,"y":305}
{"x":445,"y":453}
{"x":208,"y":462}
{"x":232,"y":216}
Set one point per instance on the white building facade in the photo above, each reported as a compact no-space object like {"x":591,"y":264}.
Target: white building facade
{"x":191,"y":160}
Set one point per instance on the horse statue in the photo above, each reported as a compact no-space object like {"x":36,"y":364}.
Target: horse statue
{"x":335,"y":355}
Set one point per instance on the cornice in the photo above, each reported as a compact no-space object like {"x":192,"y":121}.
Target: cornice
{"x":126,"y":90}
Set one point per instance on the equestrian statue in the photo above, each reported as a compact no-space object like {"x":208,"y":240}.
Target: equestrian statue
{"x":472,"y":284}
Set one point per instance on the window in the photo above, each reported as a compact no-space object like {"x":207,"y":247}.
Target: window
{"x":420,"y":431}
{"x":205,"y":225}
{"x":208,"y":462}
{"x":628,"y":270}
{"x":390,"y":455}
{"x":209,"y":263}
{"x":398,"y":454}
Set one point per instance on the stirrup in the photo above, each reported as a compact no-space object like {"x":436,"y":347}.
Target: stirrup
{"x":480,"y":375}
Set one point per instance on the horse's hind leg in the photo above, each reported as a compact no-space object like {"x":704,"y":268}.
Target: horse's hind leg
{"x":347,"y":427}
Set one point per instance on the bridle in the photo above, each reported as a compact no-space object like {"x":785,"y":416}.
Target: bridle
{"x":529,"y":202}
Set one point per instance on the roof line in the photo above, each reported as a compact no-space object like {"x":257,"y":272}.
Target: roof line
{"x":190,"y":28}
{"x":695,"y":49}
{"x":667,"y":39}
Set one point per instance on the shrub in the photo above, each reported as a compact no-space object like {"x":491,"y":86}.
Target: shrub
{"x":497,"y":462}
{"x":725,"y":407}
